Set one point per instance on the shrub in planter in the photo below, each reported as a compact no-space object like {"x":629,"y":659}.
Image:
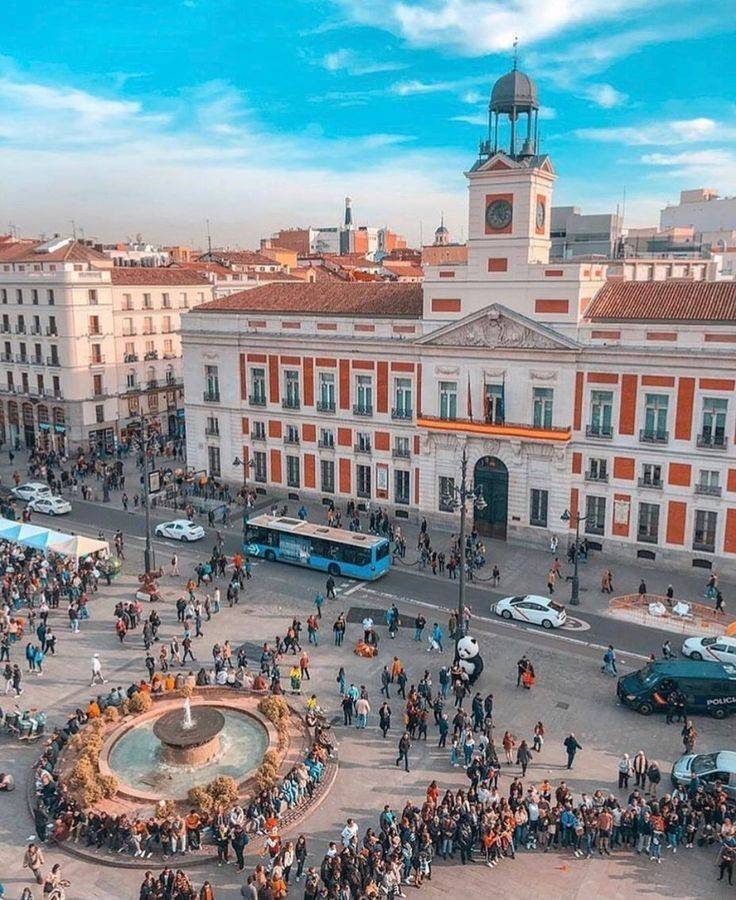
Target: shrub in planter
{"x":140,"y":702}
{"x":108,"y":785}
{"x":111,"y":714}
{"x":275,"y":709}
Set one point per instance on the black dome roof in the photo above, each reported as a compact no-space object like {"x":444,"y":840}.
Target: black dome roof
{"x":514,"y":90}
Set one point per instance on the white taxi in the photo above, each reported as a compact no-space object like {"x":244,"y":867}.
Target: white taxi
{"x":533,"y":609}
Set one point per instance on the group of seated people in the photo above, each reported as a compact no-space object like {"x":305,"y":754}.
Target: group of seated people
{"x":59,"y":817}
{"x":27,"y":724}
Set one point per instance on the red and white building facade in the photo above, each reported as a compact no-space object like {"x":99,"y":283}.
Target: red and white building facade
{"x":612,"y":400}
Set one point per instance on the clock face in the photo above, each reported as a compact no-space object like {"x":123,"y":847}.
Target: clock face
{"x":541,"y":212}
{"x":498,"y":214}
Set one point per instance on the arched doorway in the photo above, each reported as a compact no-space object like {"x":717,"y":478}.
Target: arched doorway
{"x":492,"y":476}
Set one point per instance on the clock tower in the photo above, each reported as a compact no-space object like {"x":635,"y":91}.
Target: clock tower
{"x":510,"y":185}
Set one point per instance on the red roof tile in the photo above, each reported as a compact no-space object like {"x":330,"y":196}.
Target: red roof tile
{"x":27,"y":251}
{"x":385,"y":299}
{"x":404,"y":270}
{"x":664,"y":301}
{"x":156,"y":275}
{"x":450,"y":254}
{"x":239,"y":257}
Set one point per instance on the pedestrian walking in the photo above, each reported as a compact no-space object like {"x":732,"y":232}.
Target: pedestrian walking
{"x":330,"y":585}
{"x":404,"y":747}
{"x":384,"y":718}
{"x":97,"y":676}
{"x":33,"y":860}
{"x":625,"y":769}
{"x":571,"y":747}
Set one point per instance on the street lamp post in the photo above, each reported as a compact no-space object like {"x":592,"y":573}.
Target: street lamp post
{"x":575,"y":587}
{"x":143,"y":440}
{"x":458,"y":497}
{"x":249,"y":465}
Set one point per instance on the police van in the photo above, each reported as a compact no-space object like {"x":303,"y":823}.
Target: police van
{"x":707,"y":687}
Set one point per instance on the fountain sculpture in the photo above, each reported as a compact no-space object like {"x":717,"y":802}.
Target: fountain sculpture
{"x":193,"y":740}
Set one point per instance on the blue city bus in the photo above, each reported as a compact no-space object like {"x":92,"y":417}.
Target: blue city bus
{"x":333,"y":550}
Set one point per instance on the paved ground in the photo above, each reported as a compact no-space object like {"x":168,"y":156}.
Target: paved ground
{"x":571,"y":694}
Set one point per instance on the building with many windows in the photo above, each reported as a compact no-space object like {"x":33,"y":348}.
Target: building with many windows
{"x":612,"y":401}
{"x":87,"y":346}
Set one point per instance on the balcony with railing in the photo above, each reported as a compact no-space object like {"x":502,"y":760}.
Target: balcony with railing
{"x":362,"y":448}
{"x":151,"y":384}
{"x":257,"y":399}
{"x":401,"y":413}
{"x":605,"y":432}
{"x":6,"y":357}
{"x":510,"y":430}
{"x":211,"y":396}
{"x":20,"y":329}
{"x":362,"y":409}
{"x":22,"y":358}
{"x":291,"y":438}
{"x":326,"y":406}
{"x":150,"y":354}
{"x":36,"y":360}
{"x":53,"y":361}
{"x":601,"y":477}
{"x":655,"y":484}
{"x":98,"y":360}
{"x":708,"y":440}
{"x":290,"y":403}
{"x":400,"y":452}
{"x":212,"y":431}
{"x":258,"y":435}
{"x":51,"y":331}
{"x":708,"y":490}
{"x":130,"y":357}
{"x":326,"y":443}
{"x":653,"y":436}
{"x":35,"y":330}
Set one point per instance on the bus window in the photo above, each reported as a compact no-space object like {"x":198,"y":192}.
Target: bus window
{"x":362,"y":557}
{"x":349,"y":555}
{"x":382,"y":551}
{"x":258,"y":535}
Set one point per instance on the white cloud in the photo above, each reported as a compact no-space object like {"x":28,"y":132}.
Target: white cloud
{"x":478,"y":119}
{"x":662,"y":133}
{"x":604,"y":95}
{"x":44,"y":98}
{"x":690,"y":159}
{"x":353,"y":63}
{"x":416,"y":86}
{"x":205,"y":154}
{"x":477,"y":27}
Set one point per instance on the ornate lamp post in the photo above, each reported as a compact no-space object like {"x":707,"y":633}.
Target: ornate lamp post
{"x":250,"y":465}
{"x":456,"y":498}
{"x":567,"y":516}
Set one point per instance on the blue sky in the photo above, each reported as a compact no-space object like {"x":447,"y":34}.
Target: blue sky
{"x":154,"y":116}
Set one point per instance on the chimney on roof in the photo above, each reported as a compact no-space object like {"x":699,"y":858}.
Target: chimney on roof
{"x":348,"y":213}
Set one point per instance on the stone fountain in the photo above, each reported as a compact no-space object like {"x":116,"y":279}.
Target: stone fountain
{"x":193,"y":740}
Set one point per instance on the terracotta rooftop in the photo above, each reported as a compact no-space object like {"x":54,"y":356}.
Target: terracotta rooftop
{"x":156,"y":275}
{"x":383,"y":300}
{"x":674,"y":300}
{"x":31,"y":251}
{"x":404,"y":270}
{"x":239,"y":258}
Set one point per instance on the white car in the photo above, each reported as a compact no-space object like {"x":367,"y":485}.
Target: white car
{"x":722,"y":649}
{"x":31,"y":490}
{"x":50,"y":506}
{"x":180,"y":530}
{"x":532,"y":609}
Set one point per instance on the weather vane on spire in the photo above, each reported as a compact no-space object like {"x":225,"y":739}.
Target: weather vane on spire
{"x":516,"y":52}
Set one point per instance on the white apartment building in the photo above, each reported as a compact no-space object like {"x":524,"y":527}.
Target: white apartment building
{"x":85,"y":346}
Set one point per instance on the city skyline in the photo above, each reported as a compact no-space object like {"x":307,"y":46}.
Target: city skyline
{"x":258,"y":121}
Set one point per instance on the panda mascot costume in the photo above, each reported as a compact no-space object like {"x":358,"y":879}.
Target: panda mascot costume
{"x":467,"y":655}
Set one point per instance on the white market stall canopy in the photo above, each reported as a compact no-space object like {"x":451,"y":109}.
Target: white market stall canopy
{"x":48,"y":540}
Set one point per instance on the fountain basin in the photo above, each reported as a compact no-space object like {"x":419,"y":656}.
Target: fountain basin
{"x":192,"y":743}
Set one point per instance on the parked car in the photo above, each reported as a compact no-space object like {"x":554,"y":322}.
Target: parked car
{"x":180,"y":530}
{"x":50,"y":506}
{"x":30,"y":490}
{"x":722,"y":649}
{"x":709,"y":767}
{"x":532,"y":609}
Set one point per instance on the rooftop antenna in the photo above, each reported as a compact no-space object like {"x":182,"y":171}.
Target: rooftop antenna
{"x":516,"y":51}
{"x":421,"y":239}
{"x":13,"y":230}
{"x":623,"y":209}
{"x":209,"y":240}
{"x":74,"y":229}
